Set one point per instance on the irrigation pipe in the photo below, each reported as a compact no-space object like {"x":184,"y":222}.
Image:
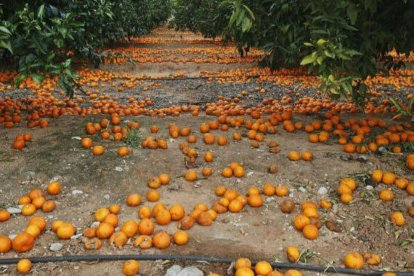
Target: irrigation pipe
{"x":91,"y":258}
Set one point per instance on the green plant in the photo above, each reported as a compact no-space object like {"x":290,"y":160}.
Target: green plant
{"x":404,"y":110}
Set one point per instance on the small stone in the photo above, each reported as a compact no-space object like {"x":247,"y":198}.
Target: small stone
{"x":190,"y":271}
{"x":95,"y":224}
{"x":56,"y":247}
{"x":369,"y":187}
{"x":301,"y":189}
{"x":76,"y":138}
{"x":77,"y":192}
{"x":77,"y":236}
{"x":14,"y":210}
{"x":249,"y":173}
{"x":12,"y":236}
{"x":119,"y":169}
{"x":322,"y":191}
{"x":173,"y":271}
{"x":106,"y":196}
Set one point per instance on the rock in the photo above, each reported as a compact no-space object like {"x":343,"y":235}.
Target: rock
{"x":77,"y":192}
{"x":76,"y":138}
{"x":249,"y":173}
{"x":14,"y":210}
{"x":119,"y":169}
{"x":12,"y":236}
{"x":322,"y":191}
{"x":369,"y":187}
{"x":190,"y":271}
{"x":77,"y":236}
{"x":106,"y":196}
{"x":301,"y":189}
{"x":173,"y":271}
{"x":56,"y":247}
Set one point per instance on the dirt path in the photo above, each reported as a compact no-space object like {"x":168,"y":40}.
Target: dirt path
{"x":91,"y":182}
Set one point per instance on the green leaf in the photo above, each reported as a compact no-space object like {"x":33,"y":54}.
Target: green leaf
{"x":20,"y":78}
{"x":321,"y":42}
{"x":308,"y":44}
{"x":37,"y":77}
{"x":41,"y":12}
{"x":352,"y":13}
{"x":308,"y":59}
{"x":5,"y":30}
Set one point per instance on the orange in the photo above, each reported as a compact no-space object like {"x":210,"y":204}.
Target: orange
{"x":28,"y":209}
{"x":144,"y":212}
{"x":54,"y":188}
{"x":118,"y":239}
{"x":348,"y":182}
{"x":377,"y":175}
{"x":301,"y":221}
{"x":48,"y":206}
{"x":238,"y":171}
{"x":130,"y":268}
{"x":146,"y":227}
{"x":161,"y":240}
{"x":354,"y":260}
{"x":191,"y":175}
{"x":33,"y":230}
{"x":111,"y":219}
{"x":104,"y":230}
{"x":5,"y":244}
{"x":133,"y":200}
{"x":243,"y":262}
{"x":282,"y":190}
{"x":244,"y":271}
{"x":56,"y":224}
{"x":4,"y":215}
{"x":143,"y":242}
{"x":98,"y":150}
{"x":164,"y":179}
{"x":310,"y":231}
{"x":181,"y":237}
{"x":152,"y":195}
{"x":293,"y":254}
{"x":23,"y":242}
{"x":177,"y":212}
{"x":130,"y":228}
{"x":388,"y":178}
{"x":235,"y":206}
{"x":269,"y":189}
{"x":114,"y":209}
{"x":220,"y":190}
{"x":386,"y":195}
{"x":122,"y":151}
{"x":86,"y":142}
{"x":294,"y":156}
{"x":227,"y":172}
{"x":255,"y":200}
{"x":263,"y":268}
{"x":101,"y":214}
{"x":38,"y":202}
{"x":65,"y":231}
{"x":35,"y":193}
{"x":163,"y":217}
{"x":346,"y":198}
{"x":24,"y":266}
{"x":398,"y":218}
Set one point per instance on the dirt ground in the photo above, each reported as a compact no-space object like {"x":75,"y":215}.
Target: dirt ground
{"x":257,"y":233}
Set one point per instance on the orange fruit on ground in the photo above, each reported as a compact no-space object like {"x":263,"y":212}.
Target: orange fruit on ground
{"x":161,"y":240}
{"x":130,"y":268}
{"x":164,"y":179}
{"x":104,"y":230}
{"x":398,"y":218}
{"x":309,"y":204}
{"x":389,"y":178}
{"x":5,"y":244}
{"x":354,"y":260}
{"x":114,"y":209}
{"x":310,"y":231}
{"x":293,"y":254}
{"x":144,"y":212}
{"x":311,"y":212}
{"x":28,"y":209}
{"x":191,"y":175}
{"x":204,"y":219}
{"x":54,"y":188}
{"x":235,"y":206}
{"x":294,"y":156}
{"x":130,"y":228}
{"x":208,"y":156}
{"x":122,"y":151}
{"x":154,"y":182}
{"x":89,"y":232}
{"x":157,"y":207}
{"x":386,"y":195}
{"x":4,"y":215}
{"x":48,"y":206}
{"x":206,"y":172}
{"x":177,"y":212}
{"x":24,"y":200}
{"x":152,"y":195}
{"x":253,"y":190}
{"x":186,"y":223}
{"x":230,"y":194}
{"x":98,"y":150}
{"x":101,"y":214}
{"x":220,"y":190}
{"x":86,"y":142}
{"x":238,"y":171}
{"x":301,"y":221}
{"x":269,"y":189}
{"x":146,"y":227}
{"x":282,"y":190}
{"x":410,"y":189}
{"x":244,"y":271}
{"x":243,"y":262}
{"x":212,"y":213}
{"x":143,"y":242}
{"x":293,"y":272}
{"x":255,"y":200}
{"x":33,"y":230}
{"x":93,"y":244}
{"x":325,"y":204}
{"x":35,"y":193}
{"x":23,"y":242}
{"x":348,"y":182}
{"x":24,"y":266}
{"x":111,"y":219}
{"x":401,"y":183}
{"x":372,"y":259}
{"x":163,"y":217}
{"x":377,"y":175}
{"x":181,"y":237}
{"x":307,"y":156}
{"x":222,"y":140}
{"x":133,"y":200}
{"x":227,"y":172}
{"x":56,"y":224}
{"x":344,"y":189}
{"x":38,"y":202}
{"x":118,"y":239}
{"x":66,"y":231}
{"x":263,"y":268}
{"x":346,"y":198}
